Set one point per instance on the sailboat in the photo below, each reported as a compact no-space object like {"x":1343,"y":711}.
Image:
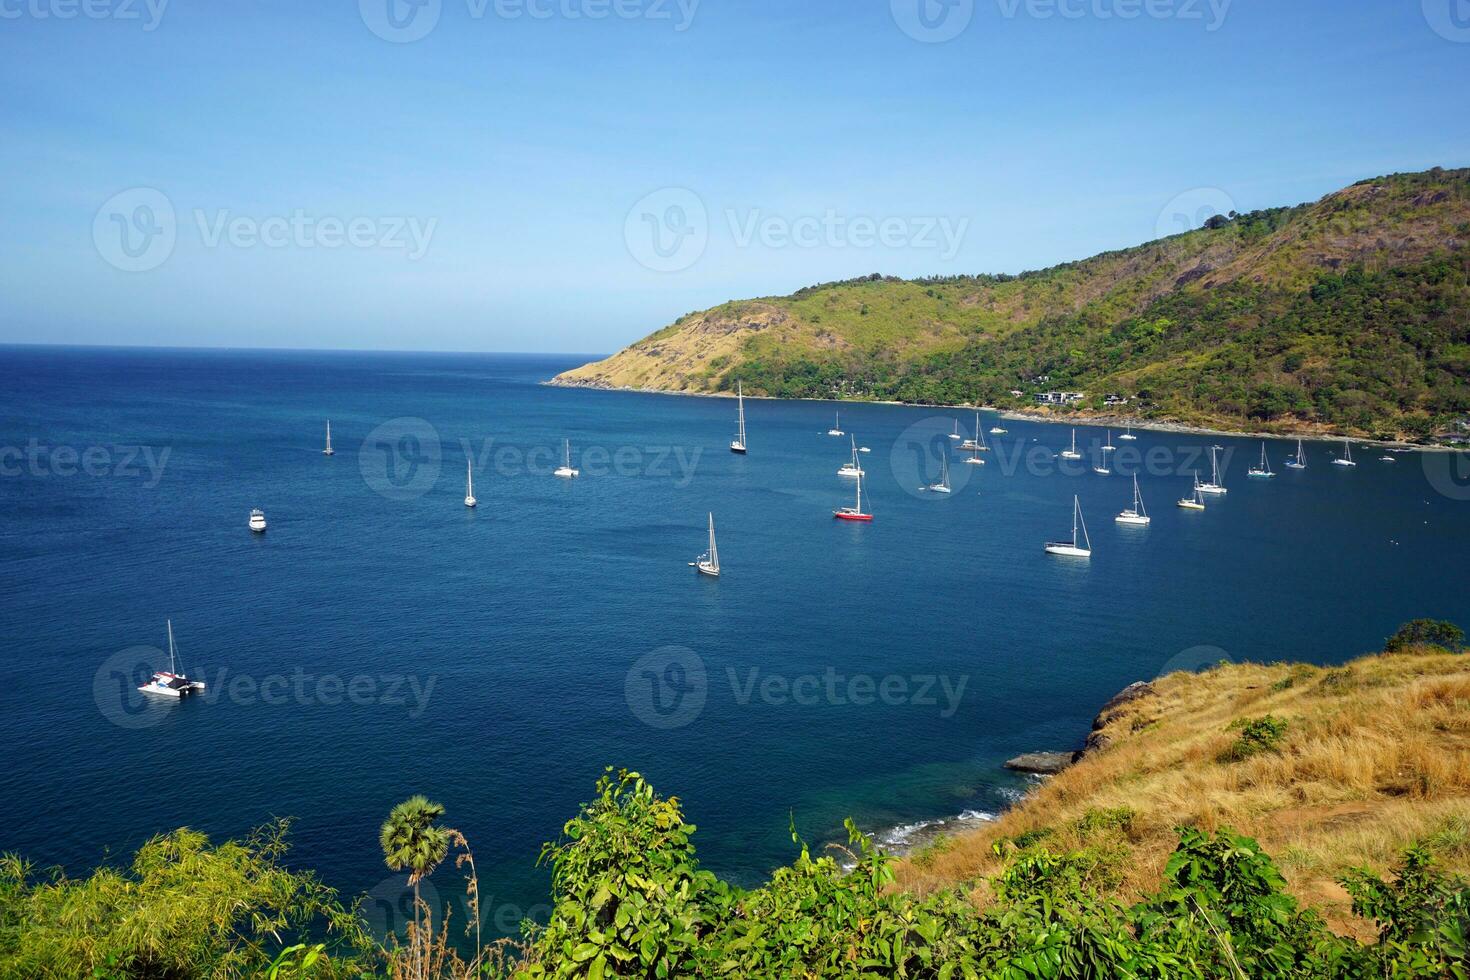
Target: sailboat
{"x":853,"y":467}
{"x":565,"y":470}
{"x":955,"y":435}
{"x":975,"y":443}
{"x":329,"y":451}
{"x":1072,"y":549}
{"x":1346,"y":459}
{"x":737,"y":445}
{"x":976,"y":448}
{"x":1263,"y":471}
{"x":171,"y":683}
{"x":1127,"y":435}
{"x":1108,"y":446}
{"x":469,"y":484}
{"x":943,"y":485}
{"x":1072,"y":453}
{"x":1214,"y":486}
{"x":1299,"y":462}
{"x":1134,"y":515}
{"x":709,"y":562}
{"x":855,"y":512}
{"x":1196,"y":500}
{"x":836,"y":429}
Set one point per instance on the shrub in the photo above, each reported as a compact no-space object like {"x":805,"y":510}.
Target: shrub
{"x":1426,"y":632}
{"x":1256,"y":736}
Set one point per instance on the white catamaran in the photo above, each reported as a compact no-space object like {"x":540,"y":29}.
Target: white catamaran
{"x":1215,"y":485}
{"x":709,"y":562}
{"x":1261,"y":471}
{"x":1135,"y":515}
{"x":1128,"y":435}
{"x":566,"y":470}
{"x":737,"y":445}
{"x":955,"y":435}
{"x":836,"y":429}
{"x":328,"y":451}
{"x":975,"y":443}
{"x":1073,"y":548}
{"x":171,"y":683}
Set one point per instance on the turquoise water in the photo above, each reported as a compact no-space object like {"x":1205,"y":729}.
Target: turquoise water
{"x":380,"y":639}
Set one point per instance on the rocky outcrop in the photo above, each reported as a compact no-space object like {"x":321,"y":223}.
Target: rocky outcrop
{"x":1051,"y":763}
{"x":1042,"y":763}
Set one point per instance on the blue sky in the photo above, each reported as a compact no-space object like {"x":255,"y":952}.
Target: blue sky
{"x":297,"y":174}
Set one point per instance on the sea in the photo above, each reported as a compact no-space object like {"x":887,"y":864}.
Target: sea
{"x":381,"y":639}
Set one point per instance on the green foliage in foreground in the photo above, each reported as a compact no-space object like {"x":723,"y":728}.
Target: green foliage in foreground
{"x":632,"y":901}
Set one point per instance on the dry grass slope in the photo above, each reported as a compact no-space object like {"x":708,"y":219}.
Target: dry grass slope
{"x":1376,"y":755}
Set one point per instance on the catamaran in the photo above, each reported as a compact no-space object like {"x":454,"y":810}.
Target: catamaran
{"x":1196,"y":500}
{"x":1215,"y":485}
{"x":1134,"y":515}
{"x":709,"y":562}
{"x":328,"y":451}
{"x":257,"y":520}
{"x":1299,"y":462}
{"x":852,"y":467}
{"x":469,"y":484}
{"x":171,"y":683}
{"x":836,"y":429}
{"x":1072,"y":549}
{"x":1128,"y":435}
{"x":975,"y":443}
{"x":565,"y":469}
{"x":855,"y":512}
{"x":737,"y":445}
{"x":1072,"y":453}
{"x":1263,"y":470}
{"x":1346,"y":459}
{"x":943,"y":485}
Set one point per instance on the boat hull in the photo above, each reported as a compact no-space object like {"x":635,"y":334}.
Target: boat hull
{"x":1068,"y":550}
{"x":737,"y":449}
{"x":1190,"y":505}
{"x":847,"y":515}
{"x":1132,"y":519}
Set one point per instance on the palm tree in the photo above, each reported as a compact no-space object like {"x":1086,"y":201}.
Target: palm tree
{"x":410,"y":839}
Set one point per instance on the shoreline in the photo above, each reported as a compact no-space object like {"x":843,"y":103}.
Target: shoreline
{"x":1103,"y":420}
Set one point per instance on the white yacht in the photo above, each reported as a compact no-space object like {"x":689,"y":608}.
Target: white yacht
{"x":737,"y":445}
{"x":171,"y":683}
{"x":257,"y":520}
{"x":997,"y":430}
{"x":852,"y":467}
{"x":836,"y":429}
{"x":1261,"y":471}
{"x":1196,"y":500}
{"x":1135,"y":515}
{"x":709,"y":562}
{"x":565,"y":469}
{"x":1073,"y":548}
{"x":469,"y":484}
{"x":943,"y":485}
{"x":1346,"y":459}
{"x":1215,"y":485}
{"x":1072,"y":453}
{"x":1299,"y":462}
{"x":328,"y":451}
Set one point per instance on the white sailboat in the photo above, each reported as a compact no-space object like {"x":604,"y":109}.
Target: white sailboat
{"x":855,"y":512}
{"x":955,"y":435}
{"x":852,"y":467}
{"x":171,"y":683}
{"x":565,"y":470}
{"x":1299,"y":462}
{"x":975,"y":443}
{"x":943,"y":485}
{"x":1073,"y":548}
{"x":709,"y":562}
{"x":1127,"y":435}
{"x":1346,"y":459}
{"x":1135,"y":515}
{"x":737,"y":445}
{"x":1196,"y":500}
{"x":257,"y":521}
{"x":1072,"y":453}
{"x":1262,"y":471}
{"x":328,"y":451}
{"x":469,"y":484}
{"x":1215,"y":485}
{"x":1108,"y":446}
{"x":836,"y":429}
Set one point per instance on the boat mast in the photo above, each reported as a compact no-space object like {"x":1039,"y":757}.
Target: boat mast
{"x":714,"y":556}
{"x":173,"y":667}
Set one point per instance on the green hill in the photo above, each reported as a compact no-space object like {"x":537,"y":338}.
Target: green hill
{"x":1351,"y":314}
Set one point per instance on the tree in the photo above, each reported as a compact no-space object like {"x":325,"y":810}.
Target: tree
{"x":1426,"y":632}
{"x":411,"y":840}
